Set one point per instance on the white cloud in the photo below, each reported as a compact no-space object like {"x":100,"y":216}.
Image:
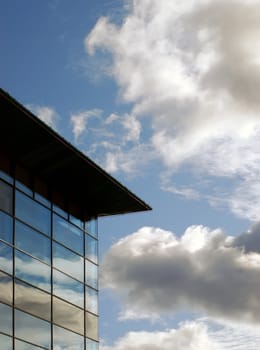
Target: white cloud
{"x":47,"y":114}
{"x":194,"y":68}
{"x":79,"y":121}
{"x":199,"y":334}
{"x":188,"y":336}
{"x":203,"y":270}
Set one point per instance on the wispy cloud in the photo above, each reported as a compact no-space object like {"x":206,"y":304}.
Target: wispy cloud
{"x":203,"y":270}
{"x":194,"y":68}
{"x":47,"y":114}
{"x":80,"y":120}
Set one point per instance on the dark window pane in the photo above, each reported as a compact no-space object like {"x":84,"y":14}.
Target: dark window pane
{"x":23,"y":188}
{"x":32,"y":271}
{"x":68,"y":316}
{"x":91,"y":345}
{"x":32,"y":300}
{"x":6,"y":258}
{"x":6,"y":342}
{"x":33,"y":213}
{"x":67,"y":261}
{"x":92,"y":326}
{"x":6,"y":227}
{"x":92,"y":300}
{"x":6,"y":319}
{"x":91,"y":227}
{"x":91,"y":274}
{"x":68,"y":289}
{"x":6,"y":177}
{"x":6,"y":197}
{"x":6,"y":288}
{"x":32,"y":329}
{"x":32,"y":242}
{"x":91,"y":248}
{"x":68,"y":234}
{"x":64,"y":339}
{"x":20,"y":345}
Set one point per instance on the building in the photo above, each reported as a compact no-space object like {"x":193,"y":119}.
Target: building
{"x":50,"y":198}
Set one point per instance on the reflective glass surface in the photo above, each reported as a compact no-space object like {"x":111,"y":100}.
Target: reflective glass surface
{"x":91,"y":248}
{"x":91,"y":345}
{"x":92,"y":326}
{"x":23,"y":188}
{"x":32,"y":329}
{"x":6,"y":319}
{"x":6,"y":288}
{"x":67,"y":261}
{"x":76,"y":221}
{"x":32,"y":242}
{"x":91,"y":227}
{"x":33,"y":213}
{"x":6,"y":342}
{"x":91,"y":300}
{"x":6,"y":197}
{"x":68,"y":316}
{"x":91,"y":274}
{"x":6,"y":227}
{"x":32,"y":300}
{"x":64,"y":339}
{"x":32,"y":271}
{"x":68,"y":234}
{"x":20,"y":345}
{"x":6,"y":177}
{"x":6,"y":258}
{"x":67,"y":288}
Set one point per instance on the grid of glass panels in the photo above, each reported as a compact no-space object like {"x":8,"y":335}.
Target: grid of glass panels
{"x":48,"y":273}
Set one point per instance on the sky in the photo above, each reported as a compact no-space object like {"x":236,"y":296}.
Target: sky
{"x":165,"y":96}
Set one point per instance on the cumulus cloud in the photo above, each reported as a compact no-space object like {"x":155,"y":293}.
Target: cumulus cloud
{"x":187,"y":337}
{"x":194,"y":68}
{"x":204,"y":270}
{"x":47,"y":114}
{"x":199,"y":334}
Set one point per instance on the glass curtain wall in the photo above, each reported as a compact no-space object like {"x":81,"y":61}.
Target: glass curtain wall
{"x":48,"y":273}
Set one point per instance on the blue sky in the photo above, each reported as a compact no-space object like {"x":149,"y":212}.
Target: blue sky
{"x":165,"y":96}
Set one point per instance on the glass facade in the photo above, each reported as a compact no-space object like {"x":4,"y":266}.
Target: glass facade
{"x":48,"y":272}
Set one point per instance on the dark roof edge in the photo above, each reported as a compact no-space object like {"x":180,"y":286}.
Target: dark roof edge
{"x":80,"y":154}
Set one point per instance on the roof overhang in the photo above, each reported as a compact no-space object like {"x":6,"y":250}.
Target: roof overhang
{"x":37,"y":147}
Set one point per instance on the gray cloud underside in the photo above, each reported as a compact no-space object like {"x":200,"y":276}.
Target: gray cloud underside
{"x":203,"y":270}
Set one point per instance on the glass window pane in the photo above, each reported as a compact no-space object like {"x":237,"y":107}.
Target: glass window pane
{"x":92,"y":326}
{"x":91,"y":274}
{"x":68,"y":289}
{"x":32,"y":300}
{"x":67,"y":261}
{"x":33,"y":213}
{"x":6,"y":258}
{"x":68,"y":316}
{"x":6,"y":177}
{"x":91,"y":227}
{"x":6,"y":288}
{"x":91,"y":248}
{"x":6,"y":319}
{"x":91,"y":345}
{"x":6,"y":342}
{"x":76,"y":221}
{"x":6,"y":227}
{"x":68,"y":234}
{"x":33,"y":242}
{"x":32,"y":271}
{"x":32,"y":329}
{"x":6,"y":197}
{"x":63,"y":339}
{"x":92,"y":300}
{"x":20,"y":345}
